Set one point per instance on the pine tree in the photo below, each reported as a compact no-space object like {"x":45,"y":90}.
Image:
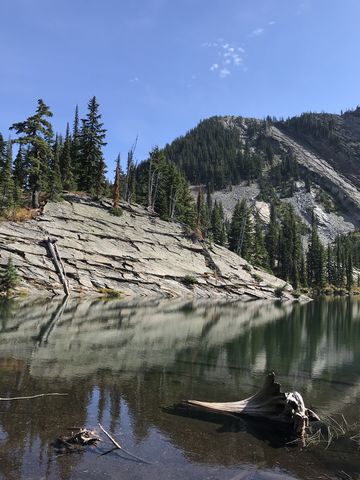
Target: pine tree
{"x":272,"y":238}
{"x":217,"y":222}
{"x":130,"y":181}
{"x":55,"y":182}
{"x":66,"y":167}
{"x":241,"y":234}
{"x":315,"y":258}
{"x":9,"y":279}
{"x":92,"y":139}
{"x":36,"y":132}
{"x":7,"y":186}
{"x":116,"y":199}
{"x":75,"y":147}
{"x":20,"y":171}
{"x":2,"y":151}
{"x":260,"y":256}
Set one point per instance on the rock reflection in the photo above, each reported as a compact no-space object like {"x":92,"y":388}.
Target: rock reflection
{"x":120,"y":362}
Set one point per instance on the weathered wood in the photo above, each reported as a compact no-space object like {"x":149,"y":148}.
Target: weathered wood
{"x":67,"y":286}
{"x":7,"y":399}
{"x":269,"y":403}
{"x":54,"y":252}
{"x":119,"y":447}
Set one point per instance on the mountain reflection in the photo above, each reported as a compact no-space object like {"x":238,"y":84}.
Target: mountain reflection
{"x":121,"y":361}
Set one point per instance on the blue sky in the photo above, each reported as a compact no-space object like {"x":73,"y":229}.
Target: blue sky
{"x":159,"y":66}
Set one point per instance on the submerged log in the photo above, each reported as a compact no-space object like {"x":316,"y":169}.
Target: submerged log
{"x":269,"y":403}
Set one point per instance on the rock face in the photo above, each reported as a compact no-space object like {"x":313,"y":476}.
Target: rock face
{"x":136,"y":254}
{"x":326,"y":148}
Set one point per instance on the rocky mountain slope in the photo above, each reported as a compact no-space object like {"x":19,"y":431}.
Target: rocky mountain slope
{"x":136,"y":254}
{"x":326,"y":149}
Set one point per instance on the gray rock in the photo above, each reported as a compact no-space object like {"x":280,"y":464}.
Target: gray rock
{"x":137,"y":254}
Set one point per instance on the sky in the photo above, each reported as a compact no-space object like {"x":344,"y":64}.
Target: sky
{"x":157,"y":67}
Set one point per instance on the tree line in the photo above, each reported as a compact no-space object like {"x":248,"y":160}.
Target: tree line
{"x":46,"y":164}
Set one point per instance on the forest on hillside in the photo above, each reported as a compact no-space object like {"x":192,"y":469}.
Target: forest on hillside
{"x":38,"y":165}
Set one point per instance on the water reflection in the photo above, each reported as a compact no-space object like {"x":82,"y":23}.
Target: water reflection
{"x":120,"y":362}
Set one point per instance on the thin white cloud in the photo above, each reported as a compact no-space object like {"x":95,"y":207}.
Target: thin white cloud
{"x":257,"y":32}
{"x":134,"y":80}
{"x":224,"y":72}
{"x":229,"y":57}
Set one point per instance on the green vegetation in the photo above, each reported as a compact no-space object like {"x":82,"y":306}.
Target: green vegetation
{"x":9,"y":278}
{"x":214,"y":154}
{"x":117,"y":212}
{"x":189,"y":281}
{"x":110,"y":293}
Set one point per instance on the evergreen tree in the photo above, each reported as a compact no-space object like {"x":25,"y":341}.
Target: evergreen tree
{"x":272,"y":238}
{"x":241,"y":234}
{"x":55,"y":182}
{"x":290,"y":248}
{"x":315,"y":258}
{"x":116,"y":198}
{"x":75,"y":147}
{"x":2,"y":151}
{"x":217,"y":222}
{"x":20,"y":171}
{"x":66,"y":167}
{"x":36,"y":132}
{"x":92,"y":139}
{"x":9,"y":279}
{"x":260,"y":256}
{"x":7,"y":186}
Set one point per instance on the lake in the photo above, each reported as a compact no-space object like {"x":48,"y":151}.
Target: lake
{"x":121,"y":363}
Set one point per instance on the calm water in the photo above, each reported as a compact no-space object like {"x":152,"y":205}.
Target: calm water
{"x":121,"y":363}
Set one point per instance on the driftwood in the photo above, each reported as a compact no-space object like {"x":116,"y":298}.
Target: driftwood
{"x":269,"y":403}
{"x":55,"y":394}
{"x":54,"y":252}
{"x":74,"y":443}
{"x":119,"y":447}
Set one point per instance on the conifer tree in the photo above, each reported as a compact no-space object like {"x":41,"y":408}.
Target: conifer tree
{"x":55,"y":182}
{"x":2,"y":151}
{"x":20,"y":171}
{"x":92,"y":139}
{"x":217,"y":220}
{"x":272,"y":238}
{"x":315,"y":258}
{"x":9,"y":279}
{"x":241,"y":234}
{"x":75,"y":146}
{"x":36,"y":132}
{"x":66,"y":167}
{"x":116,"y":198}
{"x":130,"y":180}
{"x":7,"y":186}
{"x":260,"y":256}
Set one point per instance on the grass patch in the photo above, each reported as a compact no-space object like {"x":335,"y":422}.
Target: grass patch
{"x":110,"y":293}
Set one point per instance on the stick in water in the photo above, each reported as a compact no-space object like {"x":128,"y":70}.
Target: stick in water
{"x":6,"y":399}
{"x":119,"y":447}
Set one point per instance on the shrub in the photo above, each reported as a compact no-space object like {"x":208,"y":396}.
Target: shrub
{"x":117,"y":212}
{"x":9,"y":279}
{"x":189,"y":280}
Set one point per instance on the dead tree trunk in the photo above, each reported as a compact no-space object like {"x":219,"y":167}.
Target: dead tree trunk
{"x":269,"y":403}
{"x":54,"y":252}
